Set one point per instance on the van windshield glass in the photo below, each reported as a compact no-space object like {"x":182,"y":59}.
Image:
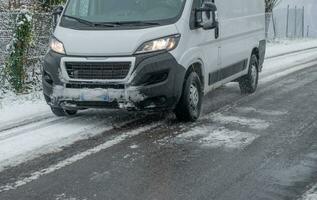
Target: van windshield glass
{"x":122,"y":12}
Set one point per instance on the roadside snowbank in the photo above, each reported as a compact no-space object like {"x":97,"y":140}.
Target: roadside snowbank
{"x":279,"y":47}
{"x":18,"y":108}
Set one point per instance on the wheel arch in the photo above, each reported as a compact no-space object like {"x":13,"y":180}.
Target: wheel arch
{"x":198,"y":67}
{"x":192,"y":60}
{"x":256,"y":52}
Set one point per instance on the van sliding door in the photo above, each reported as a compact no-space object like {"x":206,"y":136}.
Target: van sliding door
{"x":235,"y":31}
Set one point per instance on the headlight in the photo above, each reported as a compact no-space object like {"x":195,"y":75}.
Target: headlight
{"x":167,"y":43}
{"x":57,"y":46}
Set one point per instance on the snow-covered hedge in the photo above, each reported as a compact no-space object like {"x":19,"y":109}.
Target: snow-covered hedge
{"x":41,"y":30}
{"x":16,"y":63}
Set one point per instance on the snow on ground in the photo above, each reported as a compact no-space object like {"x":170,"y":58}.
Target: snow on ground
{"x":284,"y":46}
{"x":277,"y":67}
{"x":21,"y":108}
{"x":310,"y":194}
{"x":261,"y":112}
{"x":28,"y":129}
{"x":224,"y":135}
{"x":257,"y":124}
{"x":30,"y":141}
{"x":281,"y":66}
{"x":216,"y":137}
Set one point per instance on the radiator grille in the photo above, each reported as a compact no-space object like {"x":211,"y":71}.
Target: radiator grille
{"x":97,"y":70}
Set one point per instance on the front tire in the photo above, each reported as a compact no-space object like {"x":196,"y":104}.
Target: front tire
{"x":60,"y":112}
{"x":189,"y":106}
{"x":249,"y":83}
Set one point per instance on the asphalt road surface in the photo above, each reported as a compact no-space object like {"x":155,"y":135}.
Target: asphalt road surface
{"x":257,"y":147}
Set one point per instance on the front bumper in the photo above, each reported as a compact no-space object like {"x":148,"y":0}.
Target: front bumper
{"x":154,"y":82}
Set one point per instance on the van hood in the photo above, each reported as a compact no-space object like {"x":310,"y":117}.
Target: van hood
{"x":108,"y":42}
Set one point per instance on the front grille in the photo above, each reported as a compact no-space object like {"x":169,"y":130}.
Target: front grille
{"x":97,"y":70}
{"x":72,"y":85}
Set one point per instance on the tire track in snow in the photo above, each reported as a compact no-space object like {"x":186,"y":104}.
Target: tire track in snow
{"x":24,"y":146}
{"x":26,"y":122}
{"x":30,"y":127}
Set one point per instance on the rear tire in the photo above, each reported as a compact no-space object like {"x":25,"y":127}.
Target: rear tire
{"x":189,"y":106}
{"x":60,"y":112}
{"x":249,"y":83}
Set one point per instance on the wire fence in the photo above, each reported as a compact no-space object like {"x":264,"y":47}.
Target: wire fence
{"x":287,"y":23}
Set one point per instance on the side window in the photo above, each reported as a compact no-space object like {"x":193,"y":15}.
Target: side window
{"x":196,"y":4}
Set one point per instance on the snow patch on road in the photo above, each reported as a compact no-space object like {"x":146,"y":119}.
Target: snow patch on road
{"x":76,"y":158}
{"x":98,"y":177}
{"x":65,"y":197}
{"x":310,"y":194}
{"x":257,"y":124}
{"x":261,"y":111}
{"x":218,"y":137}
{"x":134,"y":146}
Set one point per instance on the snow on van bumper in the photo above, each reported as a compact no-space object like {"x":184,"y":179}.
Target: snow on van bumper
{"x":71,"y":98}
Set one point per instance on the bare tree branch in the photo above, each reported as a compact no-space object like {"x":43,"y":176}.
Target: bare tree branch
{"x":270,"y":4}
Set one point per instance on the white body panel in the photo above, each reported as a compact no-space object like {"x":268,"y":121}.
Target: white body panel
{"x":241,"y":27}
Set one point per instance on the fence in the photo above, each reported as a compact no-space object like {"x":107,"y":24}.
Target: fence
{"x":287,"y":23}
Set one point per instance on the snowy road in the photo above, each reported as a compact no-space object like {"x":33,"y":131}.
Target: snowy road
{"x":261,"y":146}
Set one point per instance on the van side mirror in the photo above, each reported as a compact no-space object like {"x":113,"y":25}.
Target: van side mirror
{"x":206,"y":16}
{"x":56,"y":14}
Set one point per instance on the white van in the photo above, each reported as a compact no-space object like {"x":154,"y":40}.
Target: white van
{"x":151,"y":54}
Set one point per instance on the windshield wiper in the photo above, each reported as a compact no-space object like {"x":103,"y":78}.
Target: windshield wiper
{"x":80,"y":20}
{"x":138,"y":23}
{"x":107,"y":24}
{"x":89,"y":23}
{"x":126,"y":23}
{"x":112,"y":24}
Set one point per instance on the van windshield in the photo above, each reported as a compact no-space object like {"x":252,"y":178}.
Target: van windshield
{"x":115,"y":13}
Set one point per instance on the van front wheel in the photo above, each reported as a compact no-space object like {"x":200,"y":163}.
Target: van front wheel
{"x":249,"y":83}
{"x":189,"y":106}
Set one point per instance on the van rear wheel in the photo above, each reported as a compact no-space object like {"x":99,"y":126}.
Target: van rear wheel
{"x":249,"y":83}
{"x":189,"y":106}
{"x":60,"y":112}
